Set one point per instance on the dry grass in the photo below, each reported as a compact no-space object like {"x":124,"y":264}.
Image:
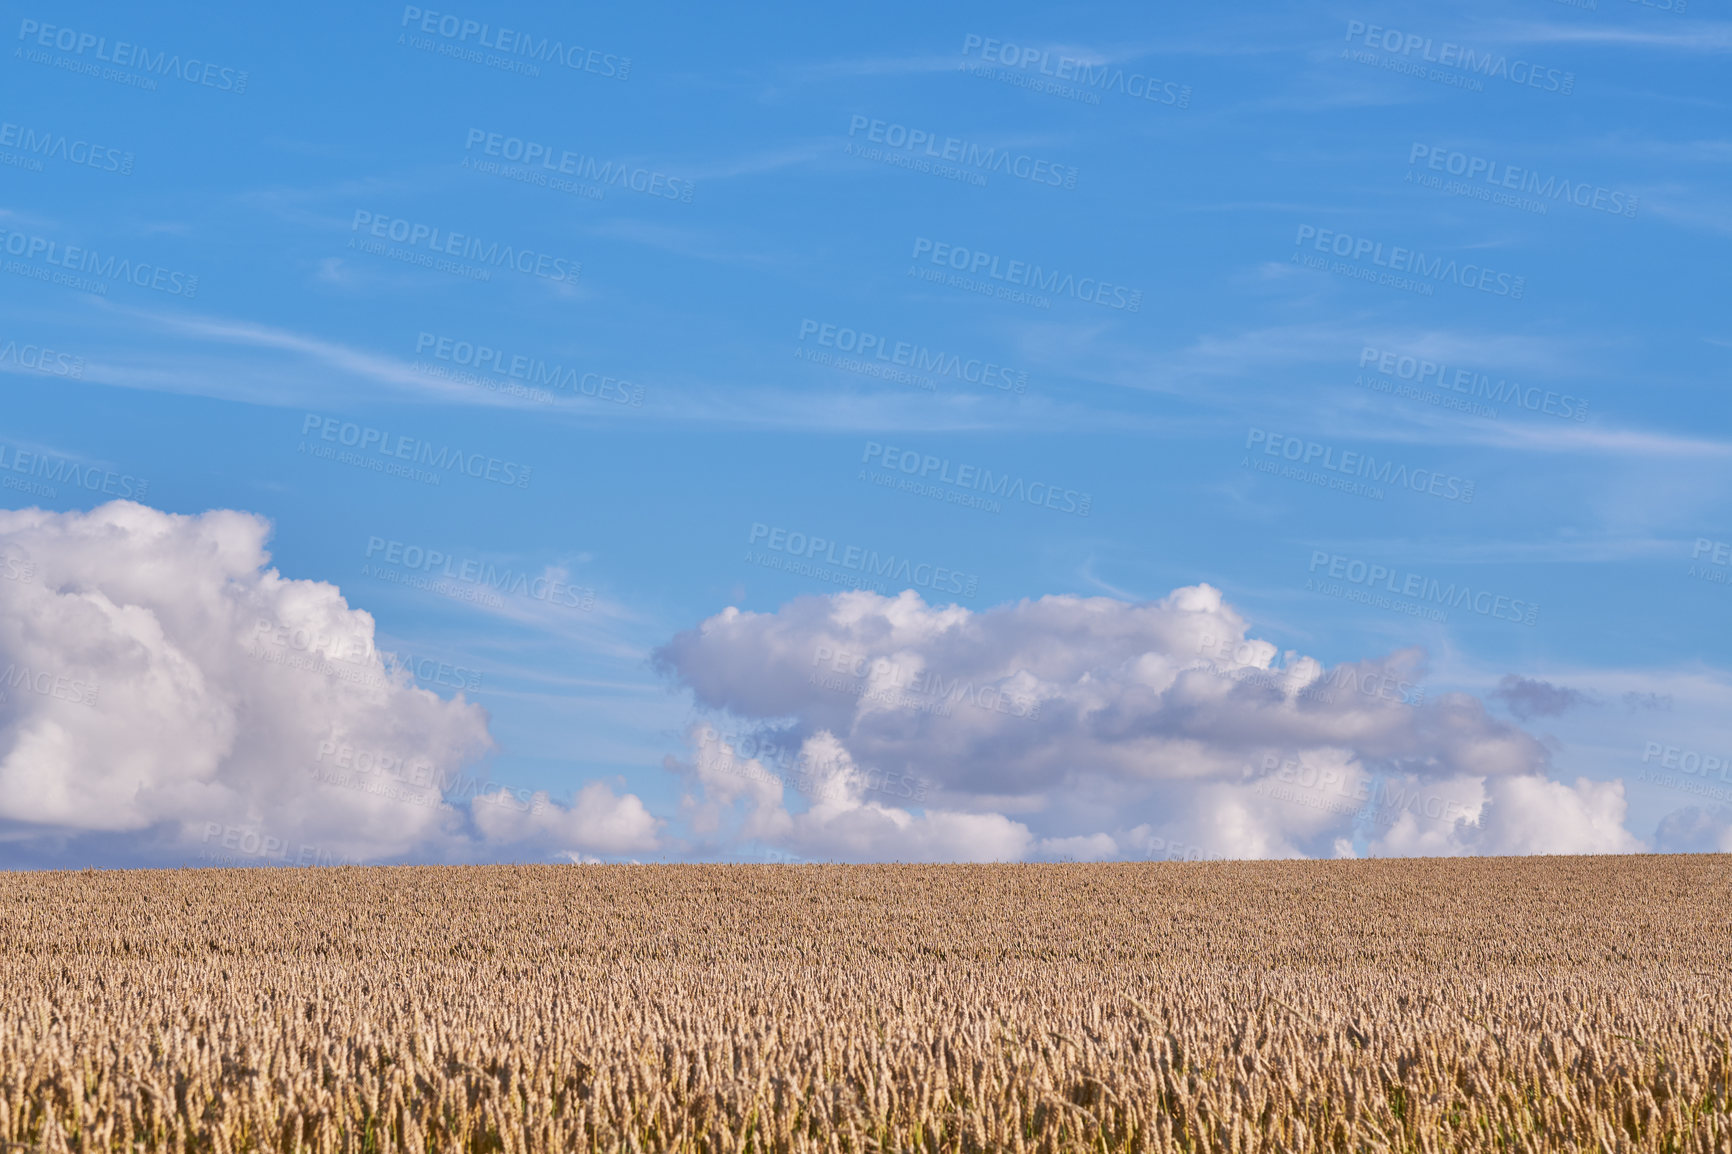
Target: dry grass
{"x":1541,"y":1004}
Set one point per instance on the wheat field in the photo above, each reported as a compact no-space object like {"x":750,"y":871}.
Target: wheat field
{"x":1511,"y":1004}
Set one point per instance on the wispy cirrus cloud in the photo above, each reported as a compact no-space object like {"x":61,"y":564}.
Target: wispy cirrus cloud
{"x":1704,"y":37}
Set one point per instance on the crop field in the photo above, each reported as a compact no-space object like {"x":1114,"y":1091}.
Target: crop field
{"x":1493,"y":1004}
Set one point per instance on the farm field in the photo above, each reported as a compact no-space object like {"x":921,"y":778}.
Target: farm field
{"x":1486,"y":1004}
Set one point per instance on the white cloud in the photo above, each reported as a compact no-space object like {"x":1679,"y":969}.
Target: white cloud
{"x":1093,"y":727}
{"x":1694,"y":829}
{"x":1698,"y":37}
{"x":599,"y":821}
{"x":1531,"y":815}
{"x":162,"y":684}
{"x":850,"y":815}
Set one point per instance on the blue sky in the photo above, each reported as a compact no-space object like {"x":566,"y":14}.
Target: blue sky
{"x":1290,"y":158}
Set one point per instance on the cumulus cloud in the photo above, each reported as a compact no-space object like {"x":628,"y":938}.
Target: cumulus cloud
{"x":1096,"y":728}
{"x":1695,"y":829}
{"x":1525,"y":814}
{"x":848,"y":814}
{"x":166,"y":693}
{"x":598,"y":822}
